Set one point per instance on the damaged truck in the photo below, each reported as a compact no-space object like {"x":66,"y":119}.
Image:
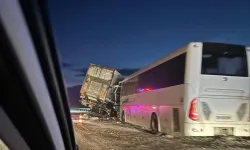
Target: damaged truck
{"x":100,"y":91}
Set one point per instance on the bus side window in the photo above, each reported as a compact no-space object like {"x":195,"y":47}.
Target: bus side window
{"x":167,"y":74}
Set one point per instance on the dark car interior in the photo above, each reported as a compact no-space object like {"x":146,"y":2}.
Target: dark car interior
{"x":34,"y":111}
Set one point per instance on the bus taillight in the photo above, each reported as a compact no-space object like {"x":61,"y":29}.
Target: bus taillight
{"x":193,"y":113}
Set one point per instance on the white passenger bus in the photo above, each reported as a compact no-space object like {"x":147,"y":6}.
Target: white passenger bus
{"x":201,"y":89}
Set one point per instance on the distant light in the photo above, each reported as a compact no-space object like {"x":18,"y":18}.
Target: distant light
{"x":140,"y":90}
{"x":248,"y":48}
{"x":144,"y":90}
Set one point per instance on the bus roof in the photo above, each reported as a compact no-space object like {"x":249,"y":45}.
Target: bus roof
{"x":160,"y":61}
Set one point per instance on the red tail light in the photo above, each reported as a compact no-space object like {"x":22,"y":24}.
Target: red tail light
{"x":193,"y":114}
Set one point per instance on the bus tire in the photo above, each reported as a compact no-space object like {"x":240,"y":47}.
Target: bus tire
{"x":154,"y":124}
{"x":123,"y":117}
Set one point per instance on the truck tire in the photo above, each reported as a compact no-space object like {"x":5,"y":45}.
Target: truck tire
{"x":113,"y":114}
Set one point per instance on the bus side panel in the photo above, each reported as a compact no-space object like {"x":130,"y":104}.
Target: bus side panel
{"x":171,"y":119}
{"x":181,"y":121}
{"x":129,"y":115}
{"x":142,"y":105}
{"x":144,"y":116}
{"x":171,"y":99}
{"x":171,"y":96}
{"x":165,"y":119}
{"x":156,"y":102}
{"x":134,"y":114}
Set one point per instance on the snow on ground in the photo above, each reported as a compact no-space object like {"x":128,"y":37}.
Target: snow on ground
{"x":110,"y":135}
{"x":3,"y":146}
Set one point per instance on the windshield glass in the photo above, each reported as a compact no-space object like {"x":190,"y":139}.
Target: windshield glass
{"x":223,"y":59}
{"x":141,"y":49}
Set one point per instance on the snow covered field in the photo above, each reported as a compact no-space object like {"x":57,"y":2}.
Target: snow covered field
{"x":112,"y":135}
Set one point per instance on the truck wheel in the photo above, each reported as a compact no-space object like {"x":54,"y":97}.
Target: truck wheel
{"x":114,"y":114}
{"x":154,"y":124}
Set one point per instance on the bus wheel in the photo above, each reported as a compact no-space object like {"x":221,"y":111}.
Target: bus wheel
{"x":123,"y":117}
{"x":154,"y":123}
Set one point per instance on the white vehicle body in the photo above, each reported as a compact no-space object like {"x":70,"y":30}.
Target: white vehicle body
{"x":202,"y":89}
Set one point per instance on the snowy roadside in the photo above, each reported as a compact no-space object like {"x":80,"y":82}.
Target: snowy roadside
{"x":95,"y":135}
{"x":3,"y":146}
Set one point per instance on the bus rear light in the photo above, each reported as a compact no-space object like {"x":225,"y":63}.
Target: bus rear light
{"x":193,"y":113}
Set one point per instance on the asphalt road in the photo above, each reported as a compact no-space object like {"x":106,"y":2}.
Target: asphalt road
{"x":110,"y":135}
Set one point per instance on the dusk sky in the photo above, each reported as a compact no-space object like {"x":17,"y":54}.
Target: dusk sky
{"x":130,"y":34}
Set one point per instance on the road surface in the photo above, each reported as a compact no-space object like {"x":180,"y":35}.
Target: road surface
{"x":110,"y":135}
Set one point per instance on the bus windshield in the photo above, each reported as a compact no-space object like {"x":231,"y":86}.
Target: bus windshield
{"x":224,"y":59}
